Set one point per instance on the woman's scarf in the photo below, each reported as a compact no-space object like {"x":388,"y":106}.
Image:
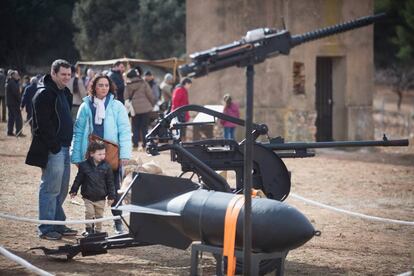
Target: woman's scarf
{"x":100,"y":110}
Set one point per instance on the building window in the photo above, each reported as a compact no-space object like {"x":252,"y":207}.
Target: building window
{"x":298,"y":78}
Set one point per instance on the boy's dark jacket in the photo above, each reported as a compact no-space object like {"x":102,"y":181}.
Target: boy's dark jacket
{"x":97,"y":181}
{"x":46,"y":122}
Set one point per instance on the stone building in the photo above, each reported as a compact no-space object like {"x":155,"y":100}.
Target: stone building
{"x":321,"y":91}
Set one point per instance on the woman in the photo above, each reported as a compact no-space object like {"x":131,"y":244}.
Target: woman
{"x":142,"y":99}
{"x":231,"y":109}
{"x":103,"y":115}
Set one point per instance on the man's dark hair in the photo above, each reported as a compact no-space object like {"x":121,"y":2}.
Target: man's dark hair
{"x":116,"y":64}
{"x":184,"y":81}
{"x":60,"y":63}
{"x":95,"y":145}
{"x":148,"y":73}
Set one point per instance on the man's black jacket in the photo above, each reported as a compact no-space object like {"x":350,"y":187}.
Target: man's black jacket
{"x":96,"y":182}
{"x":46,"y":122}
{"x":13,"y":96}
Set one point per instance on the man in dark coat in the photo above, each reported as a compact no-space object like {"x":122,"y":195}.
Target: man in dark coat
{"x":116,"y":76}
{"x":52,"y":136}
{"x":13,"y":98}
{"x":27,"y":97}
{"x":2,"y":95}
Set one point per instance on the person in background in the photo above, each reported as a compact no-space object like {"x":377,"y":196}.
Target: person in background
{"x":27,"y":98}
{"x":90,"y":74}
{"x":143,"y":102}
{"x":25,"y":83}
{"x":149,"y":78}
{"x":166,"y":92}
{"x":96,"y":180}
{"x":231,"y":109}
{"x":180,"y":98}
{"x":116,"y":76}
{"x":78,"y":91}
{"x":101,"y":114}
{"x":2,"y":95}
{"x":13,"y":100}
{"x":49,"y":150}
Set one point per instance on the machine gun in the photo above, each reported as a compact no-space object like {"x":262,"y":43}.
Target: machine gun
{"x":260,"y":44}
{"x":205,"y":157}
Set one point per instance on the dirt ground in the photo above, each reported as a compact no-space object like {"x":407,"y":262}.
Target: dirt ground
{"x":373,"y":182}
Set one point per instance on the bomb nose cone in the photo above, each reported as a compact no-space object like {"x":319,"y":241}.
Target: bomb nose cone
{"x":278,"y":227}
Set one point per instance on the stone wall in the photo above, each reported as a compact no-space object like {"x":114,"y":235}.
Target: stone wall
{"x":276,"y":102}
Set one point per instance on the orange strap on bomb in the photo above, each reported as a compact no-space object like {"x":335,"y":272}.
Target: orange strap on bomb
{"x":230,"y":224}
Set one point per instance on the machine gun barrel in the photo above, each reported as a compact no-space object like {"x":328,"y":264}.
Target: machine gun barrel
{"x":260,"y":44}
{"x":303,"y":145}
{"x":339,"y":28}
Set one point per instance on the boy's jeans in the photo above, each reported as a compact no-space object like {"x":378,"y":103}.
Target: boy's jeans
{"x":54,"y":186}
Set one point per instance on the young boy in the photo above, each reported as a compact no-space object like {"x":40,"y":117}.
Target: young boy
{"x":96,"y":178}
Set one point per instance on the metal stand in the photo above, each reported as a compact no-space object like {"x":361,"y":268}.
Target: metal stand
{"x":217,"y":252}
{"x":247,"y":174}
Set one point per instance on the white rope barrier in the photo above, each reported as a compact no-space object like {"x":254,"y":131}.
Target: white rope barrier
{"x":23,"y":262}
{"x":355,"y":214}
{"x":59,"y":222}
{"x":408,"y":273}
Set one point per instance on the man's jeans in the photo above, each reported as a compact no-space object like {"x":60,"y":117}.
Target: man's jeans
{"x":53,"y":190}
{"x":15,"y":118}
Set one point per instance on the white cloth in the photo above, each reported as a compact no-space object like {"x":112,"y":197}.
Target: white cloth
{"x":100,"y":110}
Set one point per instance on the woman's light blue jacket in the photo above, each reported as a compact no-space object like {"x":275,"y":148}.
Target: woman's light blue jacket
{"x":117,"y":129}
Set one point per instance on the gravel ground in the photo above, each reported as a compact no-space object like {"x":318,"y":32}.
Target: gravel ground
{"x":374,"y":182}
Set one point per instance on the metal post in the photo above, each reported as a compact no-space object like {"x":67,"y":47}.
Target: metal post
{"x":248,"y":156}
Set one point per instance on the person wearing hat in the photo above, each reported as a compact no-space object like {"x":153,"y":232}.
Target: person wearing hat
{"x":140,"y":94}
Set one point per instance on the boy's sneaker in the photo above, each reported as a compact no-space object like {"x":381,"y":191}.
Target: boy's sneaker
{"x":66,"y":231}
{"x":51,"y":236}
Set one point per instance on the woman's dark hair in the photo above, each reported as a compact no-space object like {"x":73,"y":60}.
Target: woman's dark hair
{"x":184,"y":81}
{"x":92,"y":89}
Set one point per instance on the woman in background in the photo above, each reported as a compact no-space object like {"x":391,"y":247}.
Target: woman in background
{"x":231,"y":109}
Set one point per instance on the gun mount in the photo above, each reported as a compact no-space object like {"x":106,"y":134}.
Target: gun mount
{"x":269,"y":172}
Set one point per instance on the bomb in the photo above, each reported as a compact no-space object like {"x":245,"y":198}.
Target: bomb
{"x":175,"y":212}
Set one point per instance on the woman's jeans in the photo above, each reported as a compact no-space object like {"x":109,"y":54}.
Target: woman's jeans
{"x":54,"y":185}
{"x":229,"y":133}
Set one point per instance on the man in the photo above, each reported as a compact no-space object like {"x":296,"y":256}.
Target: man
{"x":78,"y":91}
{"x":2,"y":95}
{"x":27,"y":98}
{"x":13,"y":98}
{"x":116,"y":76}
{"x":149,"y":78}
{"x":49,"y":150}
{"x":166,"y":89}
{"x":180,"y":98}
